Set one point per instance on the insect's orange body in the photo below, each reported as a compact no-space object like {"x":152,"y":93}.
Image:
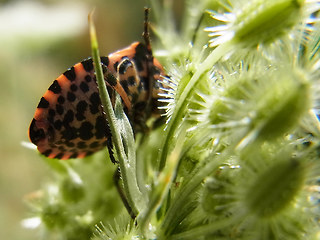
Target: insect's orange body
{"x":69,"y":121}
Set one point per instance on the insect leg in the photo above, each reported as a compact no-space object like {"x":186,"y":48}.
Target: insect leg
{"x":116,"y":179}
{"x":151,"y":70}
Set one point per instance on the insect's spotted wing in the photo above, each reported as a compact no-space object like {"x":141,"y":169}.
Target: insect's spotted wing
{"x":69,"y":121}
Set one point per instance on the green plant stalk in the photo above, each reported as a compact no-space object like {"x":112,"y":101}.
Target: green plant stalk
{"x":128,"y":174}
{"x":124,"y":125}
{"x":164,"y":181}
{"x":141,"y":174}
{"x":182,"y":102}
{"x":205,"y":229}
{"x":175,"y":213}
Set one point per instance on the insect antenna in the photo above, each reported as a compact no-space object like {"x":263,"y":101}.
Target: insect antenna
{"x":150,"y":67}
{"x":146,"y":34}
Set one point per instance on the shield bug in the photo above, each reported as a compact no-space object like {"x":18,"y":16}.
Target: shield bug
{"x":69,"y":121}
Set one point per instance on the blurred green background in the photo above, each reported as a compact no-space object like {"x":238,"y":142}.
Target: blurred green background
{"x":38,"y":41}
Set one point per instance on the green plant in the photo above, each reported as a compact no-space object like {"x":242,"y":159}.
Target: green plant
{"x":238,"y":157}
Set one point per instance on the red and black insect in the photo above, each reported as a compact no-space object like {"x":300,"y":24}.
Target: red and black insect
{"x":69,"y":121}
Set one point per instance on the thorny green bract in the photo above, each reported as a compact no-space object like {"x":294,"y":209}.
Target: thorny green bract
{"x":238,"y":157}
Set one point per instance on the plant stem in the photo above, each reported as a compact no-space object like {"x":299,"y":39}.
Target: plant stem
{"x":175,"y":213}
{"x":128,"y":173}
{"x":182,"y":102}
{"x":205,"y":229}
{"x":163,"y":182}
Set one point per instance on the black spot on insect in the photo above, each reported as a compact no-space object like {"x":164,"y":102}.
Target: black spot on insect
{"x":88,"y":78}
{"x":95,"y":103}
{"x":124,"y":84}
{"x":85,"y":131}
{"x":94,"y":109}
{"x":80,"y":116}
{"x":84,"y":87}
{"x":68,"y":117}
{"x":50,"y":134}
{"x":61,"y":99}
{"x":105,"y":60}
{"x":43,"y":103}
{"x":131,"y":80}
{"x":50,"y":118}
{"x":69,"y":133}
{"x":81,"y":106}
{"x":70,"y":144}
{"x":87,"y":64}
{"x":59,"y":109}
{"x":73,"y":87}
{"x":94,"y":144}
{"x":70,"y":74}
{"x":35,"y":133}
{"x":71,"y":97}
{"x":74,"y":155}
{"x":115,"y":65}
{"x":111,"y":79}
{"x":95,"y":99}
{"x":55,"y":87}
{"x":57,"y":124}
{"x":60,"y":155}
{"x":101,"y":127}
{"x":51,"y":112}
{"x":81,"y":145}
{"x":47,"y":152}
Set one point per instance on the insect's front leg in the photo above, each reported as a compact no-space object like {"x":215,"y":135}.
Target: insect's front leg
{"x":117,"y":182}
